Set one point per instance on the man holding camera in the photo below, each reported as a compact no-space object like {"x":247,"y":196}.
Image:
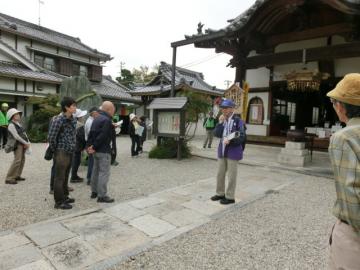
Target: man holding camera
{"x":231,"y":131}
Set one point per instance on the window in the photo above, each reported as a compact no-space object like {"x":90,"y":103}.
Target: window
{"x":49,"y":63}
{"x":83,"y":71}
{"x":256,"y":109}
{"x":291,"y":111}
{"x":282,"y":107}
{"x":76,"y":70}
{"x":315,"y":116}
{"x":45,"y":62}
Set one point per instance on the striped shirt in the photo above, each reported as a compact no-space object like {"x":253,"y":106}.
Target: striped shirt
{"x":62,"y":134}
{"x":344,"y":151}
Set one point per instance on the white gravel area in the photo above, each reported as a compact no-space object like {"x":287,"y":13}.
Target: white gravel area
{"x":284,"y":230}
{"x":30,"y":201}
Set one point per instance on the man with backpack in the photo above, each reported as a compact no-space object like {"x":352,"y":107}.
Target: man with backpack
{"x":209,"y":125}
{"x":62,"y":141}
{"x":3,"y":125}
{"x":231,"y":131}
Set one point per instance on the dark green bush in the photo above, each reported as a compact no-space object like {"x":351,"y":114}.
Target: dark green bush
{"x":168,"y":149}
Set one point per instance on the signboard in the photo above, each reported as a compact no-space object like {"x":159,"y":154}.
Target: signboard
{"x":169,"y":122}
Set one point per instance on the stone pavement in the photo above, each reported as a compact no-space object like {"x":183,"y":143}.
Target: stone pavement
{"x":102,"y":237}
{"x":260,"y":155}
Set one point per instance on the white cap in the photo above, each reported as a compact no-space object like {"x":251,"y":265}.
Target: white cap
{"x":132,"y":116}
{"x":10,"y":113}
{"x":79,"y":113}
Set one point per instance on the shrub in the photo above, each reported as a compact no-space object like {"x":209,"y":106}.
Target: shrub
{"x":168,"y":149}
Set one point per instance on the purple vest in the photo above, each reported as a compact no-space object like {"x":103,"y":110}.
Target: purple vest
{"x":232,"y":151}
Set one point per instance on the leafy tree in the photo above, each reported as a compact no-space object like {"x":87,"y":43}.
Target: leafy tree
{"x":126,"y":78}
{"x":144,"y":75}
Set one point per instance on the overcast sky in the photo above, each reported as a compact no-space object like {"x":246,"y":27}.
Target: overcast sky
{"x":138,"y":32}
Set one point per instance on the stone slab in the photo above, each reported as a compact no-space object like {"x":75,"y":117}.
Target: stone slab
{"x":171,"y":196}
{"x":163,"y":209}
{"x":19,"y":256}
{"x":72,"y":254}
{"x":295,"y":152}
{"x":95,"y":226}
{"x":121,"y":241}
{"x":38,"y":265}
{"x":151,"y":225}
{"x":124,"y":211}
{"x":295,"y":145}
{"x":49,"y":233}
{"x":294,"y":160}
{"x":146,"y":202}
{"x":184,"y":217}
{"x":202,"y":207}
{"x":12,"y":240}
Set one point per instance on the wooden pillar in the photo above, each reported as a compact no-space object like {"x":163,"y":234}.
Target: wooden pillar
{"x":173,"y":73}
{"x":240,"y":74}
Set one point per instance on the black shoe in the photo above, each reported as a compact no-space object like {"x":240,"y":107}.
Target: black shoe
{"x":217,"y":198}
{"x":88,"y":182}
{"x":93,"y":195}
{"x":69,"y":200}
{"x":20,"y":178}
{"x":209,"y":146}
{"x":76,"y":179}
{"x":204,"y":146}
{"x":227,"y":201}
{"x":64,"y":206}
{"x":11,"y":182}
{"x":105,"y":199}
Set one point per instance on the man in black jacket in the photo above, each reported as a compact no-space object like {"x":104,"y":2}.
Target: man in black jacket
{"x":99,"y":145}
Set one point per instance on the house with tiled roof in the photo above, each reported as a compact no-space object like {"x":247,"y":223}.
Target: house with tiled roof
{"x":34,"y":60}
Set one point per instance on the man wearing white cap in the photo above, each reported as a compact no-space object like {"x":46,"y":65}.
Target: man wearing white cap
{"x":3,"y":124}
{"x":344,"y":151}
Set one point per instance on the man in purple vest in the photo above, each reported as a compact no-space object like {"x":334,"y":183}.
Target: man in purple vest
{"x":230,"y":151}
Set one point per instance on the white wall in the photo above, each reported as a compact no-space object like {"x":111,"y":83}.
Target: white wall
{"x":299,"y":45}
{"x":22,"y":43}
{"x":258,"y":77}
{"x":9,"y":39}
{"x":261,"y":130}
{"x":347,"y":65}
{"x":7,"y":83}
{"x":47,"y":88}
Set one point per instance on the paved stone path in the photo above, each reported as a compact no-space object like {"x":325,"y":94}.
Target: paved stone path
{"x":101,"y":237}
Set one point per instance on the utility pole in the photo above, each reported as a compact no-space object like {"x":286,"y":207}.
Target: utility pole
{"x":227,"y":83}
{"x":40,"y":3}
{"x":122,"y":65}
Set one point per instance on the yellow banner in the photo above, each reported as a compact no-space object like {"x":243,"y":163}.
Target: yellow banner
{"x":245,"y":100}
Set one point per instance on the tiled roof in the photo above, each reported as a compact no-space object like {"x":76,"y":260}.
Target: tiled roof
{"x":193,"y":79}
{"x":168,"y":103}
{"x":36,"y":32}
{"x":108,"y":88}
{"x":20,"y":71}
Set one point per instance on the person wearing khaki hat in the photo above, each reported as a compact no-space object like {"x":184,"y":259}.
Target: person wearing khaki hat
{"x":18,"y":143}
{"x":3,"y":124}
{"x":344,"y":151}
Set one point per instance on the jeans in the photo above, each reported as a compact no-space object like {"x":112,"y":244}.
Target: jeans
{"x":90,"y":166}
{"x":62,"y":169}
{"x":135,"y":145}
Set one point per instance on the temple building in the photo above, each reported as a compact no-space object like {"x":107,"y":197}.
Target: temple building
{"x":291,"y":53}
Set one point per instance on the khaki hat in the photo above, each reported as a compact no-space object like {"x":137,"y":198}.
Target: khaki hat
{"x":10,"y":113}
{"x":347,"y":90}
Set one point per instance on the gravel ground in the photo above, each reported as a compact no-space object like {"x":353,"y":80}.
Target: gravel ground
{"x":30,"y":201}
{"x":285,"y":230}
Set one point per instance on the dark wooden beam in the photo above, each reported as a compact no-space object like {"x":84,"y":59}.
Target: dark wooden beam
{"x":324,"y":31}
{"x":314,"y":54}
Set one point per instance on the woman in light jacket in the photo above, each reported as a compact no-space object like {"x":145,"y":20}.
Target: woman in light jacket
{"x":20,"y":143}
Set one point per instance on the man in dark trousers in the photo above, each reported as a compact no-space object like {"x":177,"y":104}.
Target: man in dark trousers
{"x":209,"y":125}
{"x":62,"y":141}
{"x":99,"y":145}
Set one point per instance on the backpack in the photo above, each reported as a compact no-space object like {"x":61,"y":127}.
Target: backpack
{"x":240,"y":125}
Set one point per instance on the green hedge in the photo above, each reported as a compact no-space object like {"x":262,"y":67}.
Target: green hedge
{"x":168,"y":149}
